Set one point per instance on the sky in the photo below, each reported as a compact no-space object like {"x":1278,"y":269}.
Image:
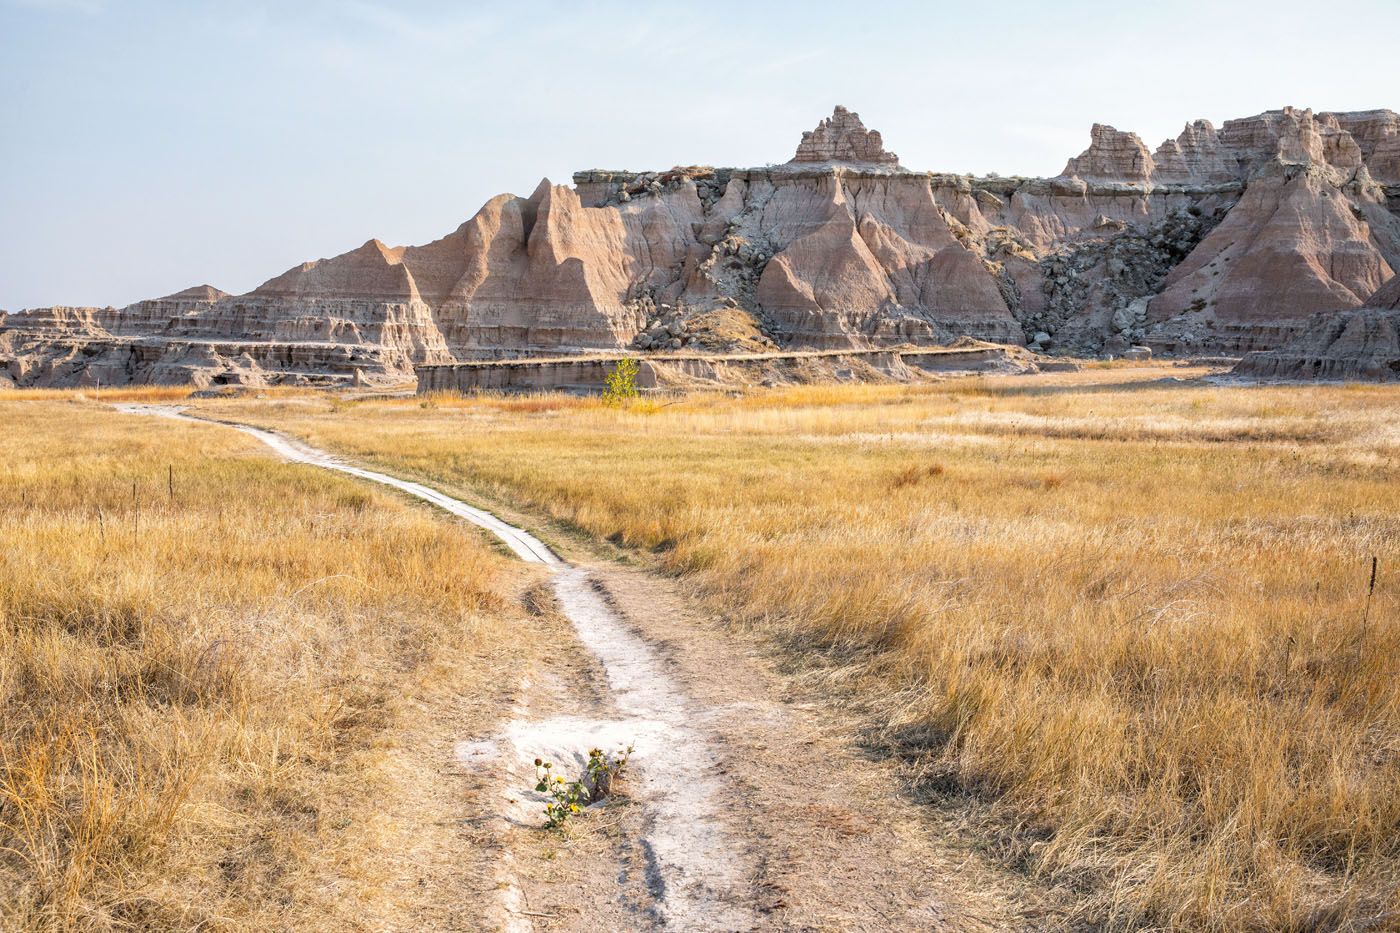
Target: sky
{"x":148,"y":146}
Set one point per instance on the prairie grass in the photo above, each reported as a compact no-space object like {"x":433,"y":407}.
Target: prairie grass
{"x":1123,"y":621}
{"x":208,"y":661}
{"x":137,"y":393}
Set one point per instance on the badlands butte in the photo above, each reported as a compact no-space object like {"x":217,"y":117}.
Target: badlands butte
{"x":1275,"y":238}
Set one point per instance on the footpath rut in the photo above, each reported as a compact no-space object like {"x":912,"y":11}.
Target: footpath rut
{"x":745,"y":809}
{"x":691,"y":861}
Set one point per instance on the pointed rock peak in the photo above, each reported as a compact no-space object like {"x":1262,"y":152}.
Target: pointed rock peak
{"x":542,"y":191}
{"x":530,"y":207}
{"x":375,"y":246}
{"x":841,"y":137}
{"x":197,"y":293}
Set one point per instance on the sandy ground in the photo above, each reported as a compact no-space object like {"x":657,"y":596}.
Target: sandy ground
{"x":749,"y":803}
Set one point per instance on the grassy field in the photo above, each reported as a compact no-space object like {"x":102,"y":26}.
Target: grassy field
{"x":1123,"y":621}
{"x":216,"y":676}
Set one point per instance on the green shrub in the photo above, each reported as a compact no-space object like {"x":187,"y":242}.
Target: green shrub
{"x":621,"y":382}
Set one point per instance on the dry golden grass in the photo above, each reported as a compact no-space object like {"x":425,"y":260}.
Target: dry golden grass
{"x":121,"y":394}
{"x":1124,"y":622}
{"x":202,"y":693}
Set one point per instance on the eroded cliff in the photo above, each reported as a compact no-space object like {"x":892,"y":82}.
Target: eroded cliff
{"x":1218,"y":241}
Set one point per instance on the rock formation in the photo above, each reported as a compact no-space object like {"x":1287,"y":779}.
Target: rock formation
{"x":1112,"y":156}
{"x":843,"y":138}
{"x":1311,"y":231}
{"x":1350,"y":345}
{"x":1219,"y":241}
{"x":1194,"y":157}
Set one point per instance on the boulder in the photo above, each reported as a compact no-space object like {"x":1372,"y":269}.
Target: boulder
{"x":1116,"y":345}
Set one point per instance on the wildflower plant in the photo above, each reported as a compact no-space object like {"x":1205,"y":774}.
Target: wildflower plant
{"x":566,"y":797}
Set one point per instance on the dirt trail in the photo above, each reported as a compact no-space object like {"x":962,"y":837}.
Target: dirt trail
{"x":744,"y":809}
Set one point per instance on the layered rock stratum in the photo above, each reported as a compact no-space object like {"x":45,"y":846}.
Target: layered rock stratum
{"x":1352,"y":345}
{"x":1221,"y":241}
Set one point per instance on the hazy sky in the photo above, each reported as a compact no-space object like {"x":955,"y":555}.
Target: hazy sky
{"x":149,"y":146}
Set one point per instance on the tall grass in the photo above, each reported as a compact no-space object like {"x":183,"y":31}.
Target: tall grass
{"x":198,"y":705}
{"x":1121,"y":622}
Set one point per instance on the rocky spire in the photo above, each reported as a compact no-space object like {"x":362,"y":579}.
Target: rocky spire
{"x":1113,"y":155}
{"x":843,"y":138}
{"x":1193,"y":157}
